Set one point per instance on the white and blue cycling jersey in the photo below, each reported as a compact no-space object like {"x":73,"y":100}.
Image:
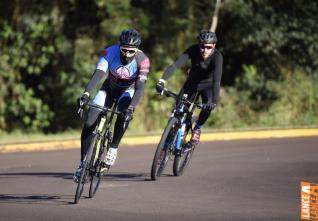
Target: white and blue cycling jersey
{"x":120,"y":75}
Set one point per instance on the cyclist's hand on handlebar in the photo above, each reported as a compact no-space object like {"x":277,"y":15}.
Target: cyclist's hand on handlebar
{"x":83,"y":100}
{"x":160,"y":86}
{"x":209,"y":106}
{"x":128,"y":114}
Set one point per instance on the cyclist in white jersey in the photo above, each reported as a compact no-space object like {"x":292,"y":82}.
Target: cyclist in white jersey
{"x":126,"y":70}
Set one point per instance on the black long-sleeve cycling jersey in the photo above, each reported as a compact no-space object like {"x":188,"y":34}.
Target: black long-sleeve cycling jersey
{"x":203,"y":73}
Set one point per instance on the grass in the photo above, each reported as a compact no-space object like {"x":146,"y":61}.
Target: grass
{"x":19,"y":137}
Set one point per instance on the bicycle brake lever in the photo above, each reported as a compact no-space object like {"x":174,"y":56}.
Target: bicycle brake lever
{"x":80,"y":112}
{"x":125,"y":124}
{"x":164,"y":91}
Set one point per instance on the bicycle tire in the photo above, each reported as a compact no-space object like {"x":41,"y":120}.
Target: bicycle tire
{"x":95,"y":181}
{"x":182,"y":160}
{"x":80,"y":184}
{"x":85,"y":172}
{"x":95,"y":172}
{"x":159,"y":163}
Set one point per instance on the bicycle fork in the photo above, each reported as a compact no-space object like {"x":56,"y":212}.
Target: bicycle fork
{"x":99,"y":132}
{"x":180,"y":136}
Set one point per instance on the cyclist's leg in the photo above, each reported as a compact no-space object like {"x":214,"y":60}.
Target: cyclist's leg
{"x":86,"y":137}
{"x":189,"y":89}
{"x":206,"y":96}
{"x":123,"y":103}
{"x":193,"y":92}
{"x":119,"y":129}
{"x":87,"y":131}
{"x":90,"y":122}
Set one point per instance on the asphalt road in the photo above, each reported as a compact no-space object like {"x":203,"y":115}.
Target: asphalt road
{"x":226,"y":180}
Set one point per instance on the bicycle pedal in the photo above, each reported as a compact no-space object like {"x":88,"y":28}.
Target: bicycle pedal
{"x":104,"y":168}
{"x":189,"y":146}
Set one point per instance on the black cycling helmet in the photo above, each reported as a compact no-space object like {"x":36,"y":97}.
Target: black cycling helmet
{"x":207,"y":37}
{"x":130,"y":37}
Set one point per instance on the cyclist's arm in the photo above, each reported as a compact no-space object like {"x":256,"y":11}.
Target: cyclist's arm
{"x":182,"y":59}
{"x":144,"y":67}
{"x":139,"y":88}
{"x":100,"y":71}
{"x":97,"y":76}
{"x":217,"y":77}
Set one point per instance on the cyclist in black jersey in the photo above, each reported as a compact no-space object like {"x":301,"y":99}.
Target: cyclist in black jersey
{"x":204,"y":76}
{"x":126,"y":70}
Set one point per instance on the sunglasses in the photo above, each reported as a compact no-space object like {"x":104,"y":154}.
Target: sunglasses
{"x":206,"y":47}
{"x":128,"y":51}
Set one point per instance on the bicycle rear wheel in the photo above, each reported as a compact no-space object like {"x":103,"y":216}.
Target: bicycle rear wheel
{"x":95,"y":181}
{"x":88,"y":160}
{"x":164,"y":148}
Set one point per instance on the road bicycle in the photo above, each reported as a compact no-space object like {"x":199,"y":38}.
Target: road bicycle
{"x":175,"y":140}
{"x":93,"y":165}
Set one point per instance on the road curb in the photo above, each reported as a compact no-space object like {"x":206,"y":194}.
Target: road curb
{"x":142,"y":140}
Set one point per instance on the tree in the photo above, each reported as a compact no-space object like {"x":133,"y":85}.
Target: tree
{"x":215,"y":16}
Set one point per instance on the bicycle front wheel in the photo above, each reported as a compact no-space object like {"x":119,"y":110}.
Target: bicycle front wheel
{"x":164,"y":148}
{"x":95,"y":165}
{"x":81,"y":183}
{"x":182,"y":159}
{"x":86,"y":171}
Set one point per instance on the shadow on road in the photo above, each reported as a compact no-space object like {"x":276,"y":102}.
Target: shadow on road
{"x":38,"y":174}
{"x":36,"y":199}
{"x":111,"y":176}
{"x":133,"y":177}
{"x":56,"y":199}
{"x":24,"y":198}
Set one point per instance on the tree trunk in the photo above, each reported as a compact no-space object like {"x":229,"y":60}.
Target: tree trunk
{"x":215,"y":16}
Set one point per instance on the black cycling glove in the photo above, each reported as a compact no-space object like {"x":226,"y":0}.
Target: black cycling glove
{"x":83,"y":100}
{"x":128,"y":114}
{"x":208,"y":106}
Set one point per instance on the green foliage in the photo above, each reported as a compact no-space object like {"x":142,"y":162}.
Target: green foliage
{"x":21,"y":60}
{"x":295,"y":103}
{"x":49,"y":50}
{"x":269,"y":34}
{"x":254,"y":86}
